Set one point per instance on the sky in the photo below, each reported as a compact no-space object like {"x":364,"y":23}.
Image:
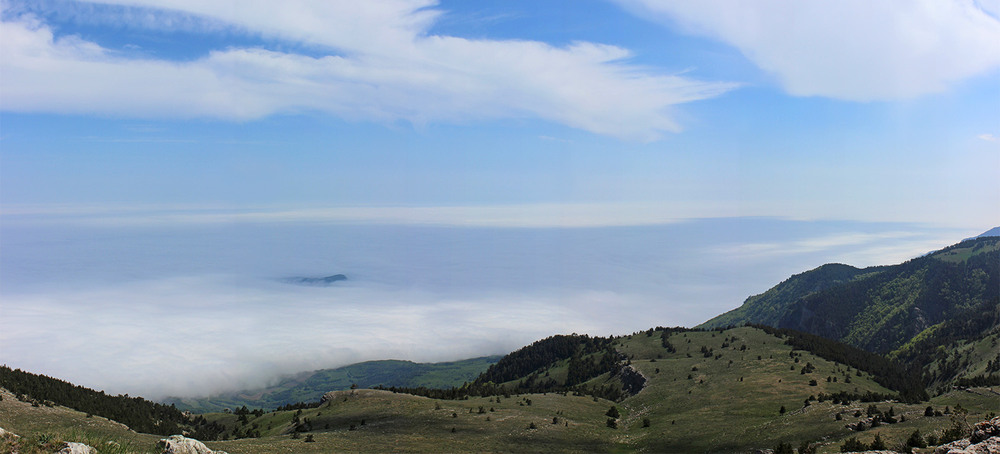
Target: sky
{"x":665,"y":159}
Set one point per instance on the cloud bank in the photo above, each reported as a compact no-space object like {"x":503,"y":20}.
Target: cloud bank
{"x":857,"y":50}
{"x":367,"y":61}
{"x":159,"y":309}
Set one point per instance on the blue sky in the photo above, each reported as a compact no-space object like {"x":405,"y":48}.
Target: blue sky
{"x":882,"y":111}
{"x":487,"y":173}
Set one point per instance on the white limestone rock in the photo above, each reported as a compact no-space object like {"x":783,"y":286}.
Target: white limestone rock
{"x":72,"y":447}
{"x":179,"y":444}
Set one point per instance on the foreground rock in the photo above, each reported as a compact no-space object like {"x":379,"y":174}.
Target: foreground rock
{"x":71,"y":447}
{"x":178,"y":444}
{"x":985,"y":439}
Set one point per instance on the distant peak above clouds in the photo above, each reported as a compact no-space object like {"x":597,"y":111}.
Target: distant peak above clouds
{"x":995,"y":231}
{"x":316,"y":281}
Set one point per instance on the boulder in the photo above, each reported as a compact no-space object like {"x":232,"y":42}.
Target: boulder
{"x":986,"y":429}
{"x":985,"y":439}
{"x":71,"y":447}
{"x":988,"y":446}
{"x":179,"y":444}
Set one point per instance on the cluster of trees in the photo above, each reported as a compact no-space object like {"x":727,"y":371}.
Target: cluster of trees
{"x":970,"y":323}
{"x":854,"y":445}
{"x":542,"y":353}
{"x":844,"y":397}
{"x":297,"y":406}
{"x":584,"y":367}
{"x":979,"y":380}
{"x":137,"y":413}
{"x":908,"y":382}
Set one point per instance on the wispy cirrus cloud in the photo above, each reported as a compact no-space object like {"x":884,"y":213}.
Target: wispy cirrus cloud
{"x":858,"y":50}
{"x":371,"y":61}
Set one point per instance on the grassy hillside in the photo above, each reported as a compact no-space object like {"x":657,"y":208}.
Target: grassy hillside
{"x":728,"y":400}
{"x":43,"y":429}
{"x":705,"y":391}
{"x":309,"y":387}
{"x":911,"y":308}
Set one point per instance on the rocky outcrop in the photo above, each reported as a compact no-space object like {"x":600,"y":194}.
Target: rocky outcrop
{"x":985,"y":439}
{"x":179,"y":444}
{"x":989,"y":446}
{"x":986,"y":429}
{"x":632,"y":380}
{"x":71,"y":447}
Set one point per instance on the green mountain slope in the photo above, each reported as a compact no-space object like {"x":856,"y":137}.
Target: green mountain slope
{"x":770,"y":307}
{"x":731,"y":390}
{"x":882,"y":309}
{"x":309,"y":387}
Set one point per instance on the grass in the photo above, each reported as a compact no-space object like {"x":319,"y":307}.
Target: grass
{"x":715,"y":410}
{"x":961,"y":254}
{"x":411,"y":423}
{"x":730,"y":403}
{"x":52,"y":426}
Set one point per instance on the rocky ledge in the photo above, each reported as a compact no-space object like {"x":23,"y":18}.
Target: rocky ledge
{"x":985,"y":439}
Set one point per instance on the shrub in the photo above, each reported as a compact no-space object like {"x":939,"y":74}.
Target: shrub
{"x":853,"y":445}
{"x":915,"y":440}
{"x":877,"y":444}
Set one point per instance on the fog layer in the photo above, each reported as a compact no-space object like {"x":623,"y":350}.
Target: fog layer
{"x":194,"y":309}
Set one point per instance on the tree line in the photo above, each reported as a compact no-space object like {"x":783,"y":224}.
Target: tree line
{"x":137,"y":413}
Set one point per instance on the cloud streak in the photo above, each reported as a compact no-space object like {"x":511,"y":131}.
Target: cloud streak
{"x":857,"y":50}
{"x":375,"y":61}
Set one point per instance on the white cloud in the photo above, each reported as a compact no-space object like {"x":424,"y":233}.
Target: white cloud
{"x":377,"y":62}
{"x":521,"y":216}
{"x":989,"y":137}
{"x":852,"y":248}
{"x":189,"y":309}
{"x":859,"y":50}
{"x":205,"y":334}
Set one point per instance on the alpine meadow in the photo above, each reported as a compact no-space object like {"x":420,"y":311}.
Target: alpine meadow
{"x":660,"y":226}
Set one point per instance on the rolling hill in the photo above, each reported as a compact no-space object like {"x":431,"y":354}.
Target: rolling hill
{"x":726,"y":390}
{"x":310,"y":386}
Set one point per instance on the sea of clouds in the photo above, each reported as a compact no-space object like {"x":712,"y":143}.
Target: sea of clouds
{"x":194,"y":309}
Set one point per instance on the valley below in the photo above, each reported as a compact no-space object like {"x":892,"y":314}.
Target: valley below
{"x":757,"y":378}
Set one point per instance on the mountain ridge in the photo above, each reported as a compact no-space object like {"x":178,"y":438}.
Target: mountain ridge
{"x":885,"y":308}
